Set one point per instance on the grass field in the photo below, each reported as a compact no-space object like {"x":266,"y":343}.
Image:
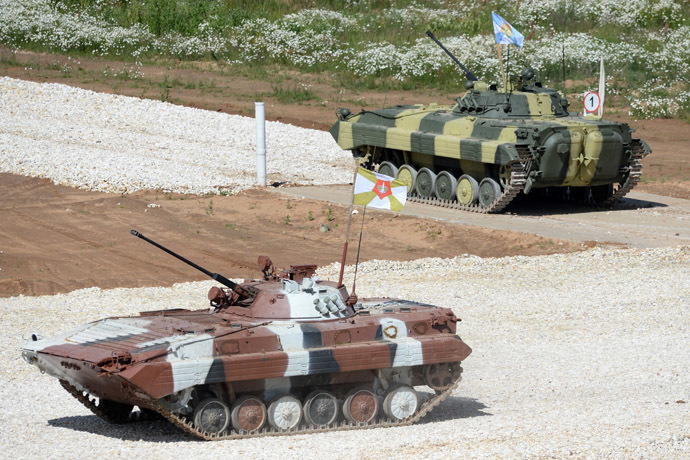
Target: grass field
{"x":380,"y":45}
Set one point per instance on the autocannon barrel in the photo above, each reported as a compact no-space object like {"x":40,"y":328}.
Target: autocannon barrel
{"x":470,"y":75}
{"x":220,"y":278}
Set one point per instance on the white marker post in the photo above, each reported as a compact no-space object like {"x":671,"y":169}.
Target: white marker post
{"x":260,"y":114}
{"x":602,"y":88}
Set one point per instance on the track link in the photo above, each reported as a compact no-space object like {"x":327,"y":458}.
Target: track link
{"x":518,"y":180}
{"x":188,"y":427}
{"x":426,"y":407}
{"x":110,"y":416}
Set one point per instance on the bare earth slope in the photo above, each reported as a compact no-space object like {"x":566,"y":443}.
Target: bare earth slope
{"x":57,"y":238}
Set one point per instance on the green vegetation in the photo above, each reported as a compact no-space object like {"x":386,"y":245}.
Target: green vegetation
{"x":376,"y":44}
{"x":296,"y":94}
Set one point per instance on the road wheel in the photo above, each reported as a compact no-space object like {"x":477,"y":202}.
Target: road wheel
{"x":468,"y":190}
{"x":248,"y":414}
{"x":446,"y":186}
{"x":389,"y":169}
{"x":400,"y":403}
{"x":408,"y":175}
{"x":212,"y":416}
{"x":361,"y":406}
{"x":425,"y":183}
{"x":489,"y":191}
{"x":320,"y":408}
{"x":284,"y":412}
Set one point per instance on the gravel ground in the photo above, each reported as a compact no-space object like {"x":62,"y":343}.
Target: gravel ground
{"x":581,"y":355}
{"x":122,"y":144}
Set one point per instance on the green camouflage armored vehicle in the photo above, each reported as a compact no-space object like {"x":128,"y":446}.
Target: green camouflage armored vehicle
{"x":492,"y":144}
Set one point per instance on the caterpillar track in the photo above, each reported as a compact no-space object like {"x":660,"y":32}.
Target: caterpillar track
{"x":518,"y":179}
{"x":634,"y":176}
{"x":117,"y":417}
{"x":115,"y":413}
{"x":518,"y":182}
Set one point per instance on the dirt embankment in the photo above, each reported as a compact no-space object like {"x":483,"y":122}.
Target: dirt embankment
{"x":58,"y":239}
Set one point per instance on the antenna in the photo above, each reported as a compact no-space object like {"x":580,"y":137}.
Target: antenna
{"x":563,"y":50}
{"x":361,"y":230}
{"x":508,"y":65}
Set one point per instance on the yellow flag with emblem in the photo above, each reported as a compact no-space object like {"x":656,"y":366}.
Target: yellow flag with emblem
{"x":379,"y":191}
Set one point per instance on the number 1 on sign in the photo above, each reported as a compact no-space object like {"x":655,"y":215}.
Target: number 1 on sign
{"x":591,"y":102}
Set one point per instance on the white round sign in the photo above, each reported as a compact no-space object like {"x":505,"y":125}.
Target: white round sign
{"x":592,"y":102}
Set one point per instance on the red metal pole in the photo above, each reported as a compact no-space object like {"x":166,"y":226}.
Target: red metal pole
{"x":349,"y":221}
{"x":342,"y":265}
{"x":361,"y":230}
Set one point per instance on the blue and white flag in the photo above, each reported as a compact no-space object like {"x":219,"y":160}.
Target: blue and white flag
{"x":505,"y":33}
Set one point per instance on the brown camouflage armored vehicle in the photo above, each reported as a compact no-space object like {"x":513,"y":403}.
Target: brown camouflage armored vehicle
{"x":492,"y":144}
{"x":287,"y":353}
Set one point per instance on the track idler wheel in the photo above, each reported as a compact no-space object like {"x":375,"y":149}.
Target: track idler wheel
{"x":441,"y":376}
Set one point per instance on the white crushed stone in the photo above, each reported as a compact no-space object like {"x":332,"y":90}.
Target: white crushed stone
{"x":122,"y":144}
{"x":576,"y":356}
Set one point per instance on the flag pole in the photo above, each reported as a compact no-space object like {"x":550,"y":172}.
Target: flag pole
{"x":500,"y":60}
{"x":349,"y":221}
{"x":359,"y":246}
{"x":602,"y":88}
